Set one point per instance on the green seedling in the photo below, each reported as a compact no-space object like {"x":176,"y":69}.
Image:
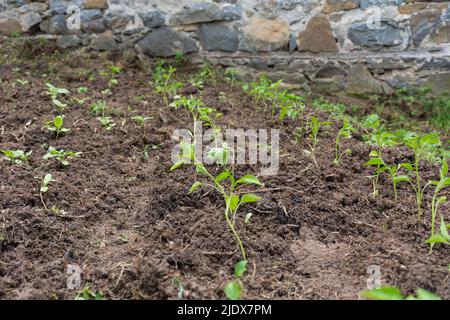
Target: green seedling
{"x":263,"y":90}
{"x":62,"y":156}
{"x":392,"y":293}
{"x":87,"y":294}
{"x":314,"y":126}
{"x":231,"y":76}
{"x":115,"y":69}
{"x":22,"y":82}
{"x":423,"y":147}
{"x":81,"y":90}
{"x":107,"y":122}
{"x":56,"y":126}
{"x":291,"y":106}
{"x":16,"y":156}
{"x":345,"y":132}
{"x":163,"y":81}
{"x":233,"y":289}
{"x":179,"y":58}
{"x":98,"y":109}
{"x":45,"y":183}
{"x":437,"y":200}
{"x":232,"y":200}
{"x":140,"y":120}
{"x":393,"y":171}
{"x":54,"y":93}
{"x":205,"y":74}
{"x":44,"y":188}
{"x":443,"y":235}
{"x":178,"y":284}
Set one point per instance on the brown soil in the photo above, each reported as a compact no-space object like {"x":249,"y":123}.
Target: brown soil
{"x":132,"y":228}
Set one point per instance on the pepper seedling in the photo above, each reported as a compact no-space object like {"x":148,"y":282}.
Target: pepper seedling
{"x":393,"y":170}
{"x":54,"y":93}
{"x":437,"y":200}
{"x":56,"y":126}
{"x":16,"y":156}
{"x":62,"y":156}
{"x":345,"y":132}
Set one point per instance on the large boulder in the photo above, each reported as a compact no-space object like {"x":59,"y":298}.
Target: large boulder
{"x":55,"y":25}
{"x":422,"y":24}
{"x":30,"y":21}
{"x":262,"y":34}
{"x":360,"y":81}
{"x":205,"y":12}
{"x":165,"y":42}
{"x":219,"y":36}
{"x":338,"y":5}
{"x":152,"y":19}
{"x":9,"y":22}
{"x":318,"y":36}
{"x":60,"y":6}
{"x":388,"y":35}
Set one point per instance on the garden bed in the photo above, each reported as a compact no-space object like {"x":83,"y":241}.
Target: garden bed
{"x":119,"y":214}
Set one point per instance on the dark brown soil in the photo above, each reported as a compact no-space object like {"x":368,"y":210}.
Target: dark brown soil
{"x":132,"y":228}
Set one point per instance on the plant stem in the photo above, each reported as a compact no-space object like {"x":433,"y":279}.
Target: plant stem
{"x":419,"y":189}
{"x":233,"y":230}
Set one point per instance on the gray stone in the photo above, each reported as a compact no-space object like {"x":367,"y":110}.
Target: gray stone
{"x":360,"y":81}
{"x":92,"y":21}
{"x":364,"y":4}
{"x":165,"y":42}
{"x":219,"y":36}
{"x":70,"y":41}
{"x":30,"y":21}
{"x":60,"y":6}
{"x":55,"y":25}
{"x":436,"y":64}
{"x":117,"y":20}
{"x":389,"y":35}
{"x":439,"y":83}
{"x":37,"y":6}
{"x":205,"y":12}
{"x":292,"y":43}
{"x":152,"y":19}
{"x":422,"y":23}
{"x":104,"y":42}
{"x":330,"y":71}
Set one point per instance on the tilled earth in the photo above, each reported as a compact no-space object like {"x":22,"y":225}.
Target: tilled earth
{"x":132,"y":229}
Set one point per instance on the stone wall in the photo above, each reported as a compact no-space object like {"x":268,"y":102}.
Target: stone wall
{"x":328,"y":45}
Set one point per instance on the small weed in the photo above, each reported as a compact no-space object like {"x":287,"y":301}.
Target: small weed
{"x":98,"y":109}
{"x":314,"y":126}
{"x":163,"y":81}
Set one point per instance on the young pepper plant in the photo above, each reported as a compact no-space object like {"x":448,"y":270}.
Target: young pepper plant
{"x":423,"y":146}
{"x":393,"y":170}
{"x":437,"y":200}
{"x":232,"y":200}
{"x":56,"y":126}
{"x":345,"y":132}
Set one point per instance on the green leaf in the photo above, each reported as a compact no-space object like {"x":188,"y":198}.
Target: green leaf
{"x":407,"y":166}
{"x":373,"y":153}
{"x":398,"y":179}
{"x":444,"y":169}
{"x":233,"y":202}
{"x":375,"y":162}
{"x":423,"y":294}
{"x":443,"y":230}
{"x":222,"y":176}
{"x":249,"y":179}
{"x":240,"y":268}
{"x":249,"y":198}
{"x":58,"y":122}
{"x":437,"y":238}
{"x":195,"y":186}
{"x":177,"y":165}
{"x":200,"y":168}
{"x":233,"y":290}
{"x":387,"y":293}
